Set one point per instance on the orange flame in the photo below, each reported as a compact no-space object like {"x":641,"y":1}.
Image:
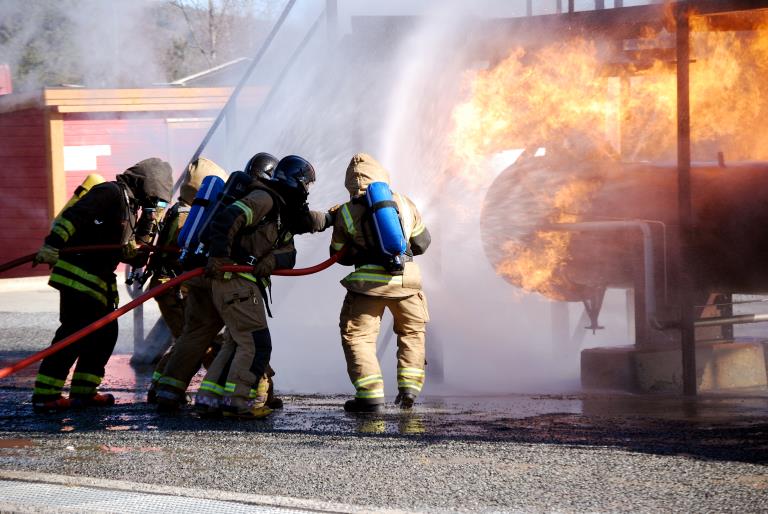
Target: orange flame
{"x":543,"y":97}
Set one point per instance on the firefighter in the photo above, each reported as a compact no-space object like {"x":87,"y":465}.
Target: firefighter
{"x":372,"y":287}
{"x":164,"y":265}
{"x":258,"y":230}
{"x":86,"y":281}
{"x":176,"y":369}
{"x":246,"y":231}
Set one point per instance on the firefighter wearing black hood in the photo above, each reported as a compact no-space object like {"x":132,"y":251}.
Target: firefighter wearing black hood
{"x":107,"y":214}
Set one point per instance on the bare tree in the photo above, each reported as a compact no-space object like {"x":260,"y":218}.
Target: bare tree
{"x":216,"y":27}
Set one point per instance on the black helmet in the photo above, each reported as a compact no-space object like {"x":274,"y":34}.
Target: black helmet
{"x":261,"y":165}
{"x":294,"y":172}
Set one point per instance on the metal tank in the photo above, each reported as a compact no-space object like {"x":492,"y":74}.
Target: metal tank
{"x":618,"y":229}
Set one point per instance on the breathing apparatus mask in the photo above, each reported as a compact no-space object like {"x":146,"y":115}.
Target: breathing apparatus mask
{"x":152,"y":211}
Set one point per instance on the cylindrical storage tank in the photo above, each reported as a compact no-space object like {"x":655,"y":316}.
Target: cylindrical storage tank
{"x":729,"y":244}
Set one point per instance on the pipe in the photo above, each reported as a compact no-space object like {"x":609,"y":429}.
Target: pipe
{"x":649,"y":273}
{"x":731,"y":320}
{"x":684,"y":197}
{"x":9,"y":370}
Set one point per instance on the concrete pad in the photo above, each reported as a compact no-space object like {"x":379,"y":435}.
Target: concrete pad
{"x":608,"y":368}
{"x":719,"y":367}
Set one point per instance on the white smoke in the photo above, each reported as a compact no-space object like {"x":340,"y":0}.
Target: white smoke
{"x":392,"y":97}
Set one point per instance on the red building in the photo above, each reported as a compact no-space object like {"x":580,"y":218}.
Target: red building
{"x":50,"y":141}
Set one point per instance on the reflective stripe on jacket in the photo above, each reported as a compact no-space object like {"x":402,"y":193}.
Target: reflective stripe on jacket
{"x":66,"y":274}
{"x":370,"y":278}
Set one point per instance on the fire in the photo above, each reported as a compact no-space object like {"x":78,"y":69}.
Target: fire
{"x":566,"y":93}
{"x":536,"y":264}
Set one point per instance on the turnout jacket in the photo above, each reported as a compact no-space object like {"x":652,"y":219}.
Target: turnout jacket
{"x":102,"y":216}
{"x":259,"y":224}
{"x":107,"y":214}
{"x":354,"y":228}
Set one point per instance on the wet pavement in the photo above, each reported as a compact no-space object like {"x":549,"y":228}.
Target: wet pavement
{"x":501,"y":453}
{"x":573,"y":452}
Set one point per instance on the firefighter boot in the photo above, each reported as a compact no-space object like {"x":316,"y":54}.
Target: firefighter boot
{"x":51,"y":406}
{"x":207,"y":405}
{"x":94,"y":400}
{"x":168,"y":400}
{"x":273,"y":402}
{"x":245,"y":410}
{"x":152,"y":394}
{"x":359,"y":406}
{"x":405,"y":400}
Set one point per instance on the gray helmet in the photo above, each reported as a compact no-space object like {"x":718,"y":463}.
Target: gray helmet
{"x":261,"y":166}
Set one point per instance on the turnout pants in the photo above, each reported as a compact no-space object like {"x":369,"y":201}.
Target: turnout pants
{"x":77,"y":310}
{"x":172,"y":310}
{"x":243,"y":360}
{"x":360,"y":321}
{"x":171,"y":306}
{"x":210,"y":305}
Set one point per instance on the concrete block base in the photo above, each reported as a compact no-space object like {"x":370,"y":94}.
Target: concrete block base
{"x":719,"y":366}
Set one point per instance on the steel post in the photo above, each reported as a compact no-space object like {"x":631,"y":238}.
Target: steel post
{"x":687,"y":339}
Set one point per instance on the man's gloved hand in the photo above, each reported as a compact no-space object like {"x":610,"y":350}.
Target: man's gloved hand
{"x":129,"y":250}
{"x":47,"y":254}
{"x":214,"y":267}
{"x":265,"y":266}
{"x":330,"y":216}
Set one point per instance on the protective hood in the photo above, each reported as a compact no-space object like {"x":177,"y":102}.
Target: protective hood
{"x":150,"y":178}
{"x":196,"y":172}
{"x":362,"y":170}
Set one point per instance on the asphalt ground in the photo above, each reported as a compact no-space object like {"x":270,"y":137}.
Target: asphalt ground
{"x":574,"y":452}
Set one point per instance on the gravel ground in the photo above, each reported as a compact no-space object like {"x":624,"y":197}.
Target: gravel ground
{"x":504,"y":454}
{"x":419,"y":473}
{"x":582,"y":452}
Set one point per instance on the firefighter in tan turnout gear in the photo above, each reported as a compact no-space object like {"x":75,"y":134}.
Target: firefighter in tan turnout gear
{"x":259,"y":231}
{"x":177,"y":368}
{"x":165,"y":265}
{"x":374,"y":286}
{"x":256,"y":230}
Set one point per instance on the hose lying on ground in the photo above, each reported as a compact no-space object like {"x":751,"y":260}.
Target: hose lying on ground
{"x":9,"y":370}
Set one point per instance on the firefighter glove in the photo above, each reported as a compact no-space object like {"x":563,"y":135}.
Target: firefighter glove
{"x":214,"y":267}
{"x":330,"y":216}
{"x":47,"y":254}
{"x":129,"y":250}
{"x":265,"y":266}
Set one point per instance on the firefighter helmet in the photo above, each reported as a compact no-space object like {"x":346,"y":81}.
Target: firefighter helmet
{"x":261,"y":165}
{"x":294,"y":172}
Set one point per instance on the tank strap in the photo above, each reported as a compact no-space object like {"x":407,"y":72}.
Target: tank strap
{"x":383,"y":204}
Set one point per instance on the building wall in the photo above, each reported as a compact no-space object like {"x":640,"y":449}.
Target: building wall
{"x":105,"y":145}
{"x":24,"y":217}
{"x":46,"y":156}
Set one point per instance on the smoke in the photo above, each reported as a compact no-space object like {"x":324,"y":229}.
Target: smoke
{"x":84,"y":42}
{"x":390,"y":92}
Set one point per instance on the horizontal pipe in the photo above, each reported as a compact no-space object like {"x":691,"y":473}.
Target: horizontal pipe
{"x":649,"y":273}
{"x":731,"y":320}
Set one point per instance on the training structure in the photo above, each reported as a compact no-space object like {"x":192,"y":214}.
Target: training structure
{"x":683,"y":239}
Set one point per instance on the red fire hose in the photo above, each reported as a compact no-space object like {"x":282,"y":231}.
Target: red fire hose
{"x":79,"y":249}
{"x":9,"y":370}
